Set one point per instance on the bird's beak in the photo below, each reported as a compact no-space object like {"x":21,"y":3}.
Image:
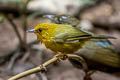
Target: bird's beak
{"x":31,"y":31}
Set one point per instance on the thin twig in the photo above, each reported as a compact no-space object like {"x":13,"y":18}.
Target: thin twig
{"x":15,"y":28}
{"x":43,"y":76}
{"x":25,"y":21}
{"x":41,"y":67}
{"x":25,"y":56}
{"x":24,"y":28}
{"x":34,"y":70}
{"x":13,"y":59}
{"x":39,"y":75}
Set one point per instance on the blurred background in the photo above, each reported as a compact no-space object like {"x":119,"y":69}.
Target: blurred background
{"x":20,"y":51}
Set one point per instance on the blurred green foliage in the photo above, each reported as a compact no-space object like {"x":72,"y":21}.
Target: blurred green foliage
{"x":11,"y":0}
{"x":89,"y":2}
{"x":1,"y":18}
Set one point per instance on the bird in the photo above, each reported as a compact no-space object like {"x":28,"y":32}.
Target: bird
{"x":66,"y":39}
{"x":93,"y":46}
{"x":63,"y":19}
{"x":98,"y":54}
{"x":63,"y":38}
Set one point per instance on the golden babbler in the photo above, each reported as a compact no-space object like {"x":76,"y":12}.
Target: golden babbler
{"x":63,"y":38}
{"x":70,"y":40}
{"x":62,"y":19}
{"x":99,"y":54}
{"x":96,"y":51}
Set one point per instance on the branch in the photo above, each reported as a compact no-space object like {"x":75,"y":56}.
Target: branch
{"x":15,"y":28}
{"x":81,"y":59}
{"x":34,"y":70}
{"x":24,"y":28}
{"x":43,"y":66}
{"x":25,"y":21}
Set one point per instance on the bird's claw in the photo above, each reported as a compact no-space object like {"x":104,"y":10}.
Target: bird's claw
{"x":62,"y":57}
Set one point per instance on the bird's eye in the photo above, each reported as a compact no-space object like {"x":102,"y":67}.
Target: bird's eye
{"x":39,"y":30}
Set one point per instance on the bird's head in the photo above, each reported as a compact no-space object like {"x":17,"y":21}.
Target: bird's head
{"x":43,"y":30}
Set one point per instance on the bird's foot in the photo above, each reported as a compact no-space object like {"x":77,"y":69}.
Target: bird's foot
{"x":61,"y":57}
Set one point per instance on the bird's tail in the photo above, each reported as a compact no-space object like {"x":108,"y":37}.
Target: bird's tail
{"x":103,"y":37}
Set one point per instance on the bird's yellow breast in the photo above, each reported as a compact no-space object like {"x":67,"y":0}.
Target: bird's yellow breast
{"x":62,"y":47}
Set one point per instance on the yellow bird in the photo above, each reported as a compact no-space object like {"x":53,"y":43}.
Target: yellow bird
{"x":96,"y":52}
{"x":63,"y":38}
{"x":66,"y":39}
{"x":99,"y":54}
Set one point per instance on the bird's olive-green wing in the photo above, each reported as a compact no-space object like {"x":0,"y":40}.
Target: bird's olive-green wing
{"x":76,"y":35}
{"x":66,"y":38}
{"x":71,"y":35}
